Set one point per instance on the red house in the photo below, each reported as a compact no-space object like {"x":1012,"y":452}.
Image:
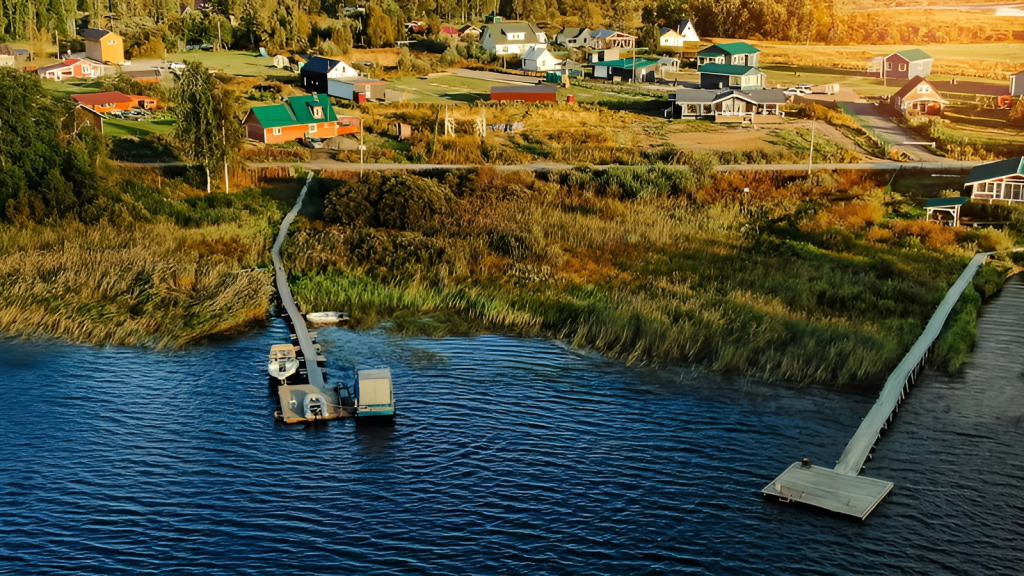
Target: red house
{"x":299,"y":117}
{"x":524,"y":93}
{"x":71,"y":68}
{"x":919,"y":97}
{"x":104,"y":102}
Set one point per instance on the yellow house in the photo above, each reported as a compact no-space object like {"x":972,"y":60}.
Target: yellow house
{"x":103,"y":45}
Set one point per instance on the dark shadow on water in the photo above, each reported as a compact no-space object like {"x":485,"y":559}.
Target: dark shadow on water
{"x":375,"y":436}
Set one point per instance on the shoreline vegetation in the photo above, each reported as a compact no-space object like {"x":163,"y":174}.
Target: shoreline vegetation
{"x":815,"y":281}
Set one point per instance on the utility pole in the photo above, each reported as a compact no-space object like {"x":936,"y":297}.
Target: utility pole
{"x":362,"y":149}
{"x":814,"y":122}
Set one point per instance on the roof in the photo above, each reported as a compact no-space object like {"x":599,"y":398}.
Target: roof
{"x":449,"y":30}
{"x":93,"y":33}
{"x":534,"y":53}
{"x":147,"y":73}
{"x":729,"y":69}
{"x":731,"y":48}
{"x":296,"y":110}
{"x":697,"y":96}
{"x":993,"y":170}
{"x":665,"y":31}
{"x":912,"y":55}
{"x":627,"y":63}
{"x":524,"y":89}
{"x":65,"y":64}
{"x":572,"y":31}
{"x":601,"y":33}
{"x":320,"y":64}
{"x":911,"y":86}
{"x":1018,"y":73}
{"x":684,"y":23}
{"x":102,"y":98}
{"x":501,"y":31}
{"x":946,"y":202}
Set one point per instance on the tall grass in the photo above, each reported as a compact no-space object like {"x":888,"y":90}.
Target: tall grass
{"x":773,"y":275}
{"x":172,"y":269}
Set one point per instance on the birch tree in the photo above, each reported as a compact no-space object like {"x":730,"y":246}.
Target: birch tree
{"x":198,"y":135}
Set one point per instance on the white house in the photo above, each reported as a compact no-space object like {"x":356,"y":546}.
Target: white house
{"x":669,"y":39}
{"x":687,"y":31}
{"x":572,"y":37}
{"x":512,"y":38}
{"x":538,"y":59}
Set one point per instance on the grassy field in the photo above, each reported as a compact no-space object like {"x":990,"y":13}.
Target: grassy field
{"x":234,"y":63}
{"x":116,"y":128}
{"x":809,"y":281}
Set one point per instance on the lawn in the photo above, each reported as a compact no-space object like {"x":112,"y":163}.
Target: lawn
{"x":115,"y":128}
{"x":234,"y":63}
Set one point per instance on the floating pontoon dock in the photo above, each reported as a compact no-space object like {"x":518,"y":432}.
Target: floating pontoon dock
{"x":841,"y":489}
{"x":295,"y":399}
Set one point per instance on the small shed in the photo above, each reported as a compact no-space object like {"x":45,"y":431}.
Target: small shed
{"x":524,"y":93}
{"x":945,"y":211}
{"x":280,"y":61}
{"x":403,"y":131}
{"x":357,"y":88}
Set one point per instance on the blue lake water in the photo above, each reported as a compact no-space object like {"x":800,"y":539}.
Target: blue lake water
{"x":509,"y":456}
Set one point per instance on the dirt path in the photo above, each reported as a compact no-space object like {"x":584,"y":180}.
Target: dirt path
{"x":873,"y":119}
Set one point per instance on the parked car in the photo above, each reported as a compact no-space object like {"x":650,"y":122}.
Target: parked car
{"x":314,"y":142}
{"x":796,"y":91}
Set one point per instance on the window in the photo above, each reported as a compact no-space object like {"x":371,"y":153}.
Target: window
{"x":312,"y":128}
{"x":318,"y":112}
{"x":923,"y":89}
{"x":277,"y":131}
{"x":888,"y":66}
{"x":111,"y":42}
{"x":903,"y":66}
{"x":86,"y":69}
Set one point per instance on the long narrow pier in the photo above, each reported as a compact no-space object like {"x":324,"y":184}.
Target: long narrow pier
{"x":296,"y":399}
{"x":298,"y":323}
{"x":841,"y":489}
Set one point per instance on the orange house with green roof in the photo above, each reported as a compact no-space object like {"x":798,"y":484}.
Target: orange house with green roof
{"x":298,"y":117}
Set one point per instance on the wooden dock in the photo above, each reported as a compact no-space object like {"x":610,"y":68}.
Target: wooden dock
{"x":293,"y":397}
{"x":841,"y":489}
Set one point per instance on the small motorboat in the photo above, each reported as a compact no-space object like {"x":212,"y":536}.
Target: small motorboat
{"x":326,"y":317}
{"x":283,"y":362}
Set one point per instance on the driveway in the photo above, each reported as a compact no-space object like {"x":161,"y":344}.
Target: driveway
{"x":872,"y":117}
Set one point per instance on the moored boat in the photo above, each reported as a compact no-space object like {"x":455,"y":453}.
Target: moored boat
{"x":282,"y":362}
{"x":326,"y":317}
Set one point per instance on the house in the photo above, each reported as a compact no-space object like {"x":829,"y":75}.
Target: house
{"x":733,"y":53}
{"x":596,"y":56}
{"x":146,"y":76}
{"x":15,"y":54}
{"x":357,"y":88}
{"x":903,"y":64}
{"x":729,"y":104}
{"x":104,"y":102}
{"x":734,"y":76}
{"x":524,"y":93}
{"x":298,"y":117}
{"x":506,"y":38}
{"x":669,"y":39}
{"x":70,"y":68}
{"x":1002,"y":180}
{"x":538,"y":59}
{"x":314,"y":74}
{"x":415,"y":27}
{"x":603,"y":38}
{"x":687,"y":31}
{"x":919,"y":97}
{"x":1017,"y":84}
{"x":449,"y":30}
{"x":469,"y":31}
{"x":628,"y":69}
{"x":573,"y":37}
{"x":103,"y":45}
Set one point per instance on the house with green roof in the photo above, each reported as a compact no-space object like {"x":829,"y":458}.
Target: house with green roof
{"x":904,"y":64}
{"x":1002,"y":180}
{"x":296,"y":118}
{"x":732,"y":53}
{"x":630,"y":69}
{"x":737,"y":77}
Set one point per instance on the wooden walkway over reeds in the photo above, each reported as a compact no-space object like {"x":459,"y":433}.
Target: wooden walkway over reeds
{"x":841,"y":489}
{"x":293,"y":397}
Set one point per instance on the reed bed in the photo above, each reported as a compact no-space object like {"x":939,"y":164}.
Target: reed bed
{"x":170,"y":272}
{"x":811,"y":281}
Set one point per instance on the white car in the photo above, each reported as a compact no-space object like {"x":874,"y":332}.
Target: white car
{"x":796,"y":91}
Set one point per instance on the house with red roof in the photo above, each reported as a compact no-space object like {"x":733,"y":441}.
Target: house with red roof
{"x":71,"y":68}
{"x":298,"y":117}
{"x":449,"y":30}
{"x":104,"y":102}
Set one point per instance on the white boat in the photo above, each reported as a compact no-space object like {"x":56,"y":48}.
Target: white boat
{"x":282,"y":362}
{"x":326,"y":317}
